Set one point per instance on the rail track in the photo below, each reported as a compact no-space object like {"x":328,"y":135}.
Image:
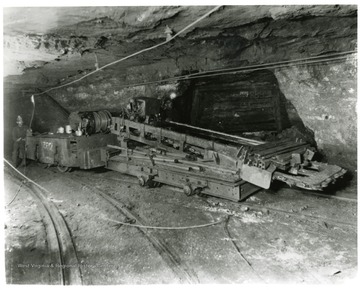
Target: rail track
{"x":259,"y":207}
{"x":168,"y":254}
{"x":181,"y":270}
{"x":308,"y":193}
{"x":254,"y":272}
{"x":62,"y":261}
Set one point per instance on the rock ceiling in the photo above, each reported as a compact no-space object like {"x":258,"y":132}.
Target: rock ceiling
{"x":48,"y":45}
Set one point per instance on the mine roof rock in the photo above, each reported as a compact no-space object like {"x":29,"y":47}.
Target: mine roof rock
{"x":124,"y":20}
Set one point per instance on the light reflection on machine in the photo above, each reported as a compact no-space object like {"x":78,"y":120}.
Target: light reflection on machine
{"x":144,"y":110}
{"x":91,"y":122}
{"x":139,"y":141}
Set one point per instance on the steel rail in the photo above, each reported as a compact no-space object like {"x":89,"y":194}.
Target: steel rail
{"x":174,"y":262}
{"x":262,"y":207}
{"x":62,"y":262}
{"x":179,"y":267}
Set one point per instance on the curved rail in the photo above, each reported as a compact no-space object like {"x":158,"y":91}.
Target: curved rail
{"x":264,"y":207}
{"x":174,"y":262}
{"x":64,"y":267}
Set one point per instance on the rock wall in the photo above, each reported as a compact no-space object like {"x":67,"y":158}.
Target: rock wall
{"x":48,"y":114}
{"x":320,"y":96}
{"x":325,"y":97}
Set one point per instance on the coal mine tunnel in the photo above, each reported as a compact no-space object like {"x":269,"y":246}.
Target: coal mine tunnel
{"x":180,"y":144}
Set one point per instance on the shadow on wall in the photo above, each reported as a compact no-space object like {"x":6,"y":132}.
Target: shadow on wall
{"x":48,"y":114}
{"x":295,"y":126}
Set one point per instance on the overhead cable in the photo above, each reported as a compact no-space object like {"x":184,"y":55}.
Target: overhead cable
{"x":325,"y":56}
{"x":134,"y":54}
{"x":242,"y":69}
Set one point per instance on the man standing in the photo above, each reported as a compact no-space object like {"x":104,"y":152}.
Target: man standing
{"x":169,"y":111}
{"x":19,"y":135}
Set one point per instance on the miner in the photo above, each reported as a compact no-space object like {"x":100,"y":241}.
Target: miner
{"x":19,"y":135}
{"x":169,"y":111}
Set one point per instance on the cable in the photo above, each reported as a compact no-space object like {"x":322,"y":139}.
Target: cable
{"x":238,"y":249}
{"x":33,"y":111}
{"x":165,"y":228}
{"x":27,"y":178}
{"x":32,"y":117}
{"x":233,"y":71}
{"x":136,"y":53}
{"x":282,"y":62}
{"x":131,"y":225}
{"x":270,"y":67}
{"x":17,"y":192}
{"x":242,"y":69}
{"x":191,"y":76}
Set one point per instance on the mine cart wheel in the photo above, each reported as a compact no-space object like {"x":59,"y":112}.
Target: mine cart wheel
{"x":63,"y":169}
{"x":142,"y":181}
{"x":45,"y":165}
{"x":187,"y":189}
{"x":157,"y":184}
{"x":153,"y":184}
{"x":198,"y":190}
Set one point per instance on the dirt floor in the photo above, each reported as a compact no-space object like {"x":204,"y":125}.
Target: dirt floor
{"x":280,"y":235}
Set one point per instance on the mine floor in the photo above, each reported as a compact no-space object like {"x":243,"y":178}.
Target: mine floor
{"x":281,"y":235}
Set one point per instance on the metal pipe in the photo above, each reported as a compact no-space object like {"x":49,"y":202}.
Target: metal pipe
{"x":242,"y":139}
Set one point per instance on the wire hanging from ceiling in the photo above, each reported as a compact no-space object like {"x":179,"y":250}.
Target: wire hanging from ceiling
{"x":325,"y":57}
{"x":136,"y":53}
{"x":216,"y":72}
{"x":251,"y":68}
